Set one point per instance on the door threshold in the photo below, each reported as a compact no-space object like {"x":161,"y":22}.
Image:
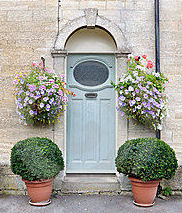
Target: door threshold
{"x":91,"y":172}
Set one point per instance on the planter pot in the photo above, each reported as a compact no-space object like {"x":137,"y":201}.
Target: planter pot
{"x":144,"y":192}
{"x":39,"y":191}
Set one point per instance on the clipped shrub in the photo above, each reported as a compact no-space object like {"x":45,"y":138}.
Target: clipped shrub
{"x":36,"y":159}
{"x":146,"y":159}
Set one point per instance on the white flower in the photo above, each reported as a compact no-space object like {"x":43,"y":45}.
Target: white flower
{"x":135,"y":73}
{"x":122,"y":98}
{"x":159,"y":127}
{"x":130,"y":88}
{"x":26,"y":99}
{"x":30,"y":101}
{"x":140,"y":67}
{"x":157,"y":74}
{"x":130,"y":56}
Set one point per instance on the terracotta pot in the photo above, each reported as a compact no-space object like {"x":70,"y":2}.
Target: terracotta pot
{"x":144,"y":192}
{"x":39,"y":191}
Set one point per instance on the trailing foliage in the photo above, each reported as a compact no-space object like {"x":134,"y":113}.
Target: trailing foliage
{"x":36,"y":159}
{"x":141,"y":92}
{"x":146,"y":159}
{"x":166,"y":191}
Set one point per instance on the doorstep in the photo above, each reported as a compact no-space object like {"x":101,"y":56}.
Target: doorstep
{"x":90,"y":183}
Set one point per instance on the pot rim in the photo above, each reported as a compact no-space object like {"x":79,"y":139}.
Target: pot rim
{"x":141,"y":181}
{"x":38,"y":181}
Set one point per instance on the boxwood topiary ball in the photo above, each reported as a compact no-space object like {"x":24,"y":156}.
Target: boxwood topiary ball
{"x":146,"y":159}
{"x":36,"y":159}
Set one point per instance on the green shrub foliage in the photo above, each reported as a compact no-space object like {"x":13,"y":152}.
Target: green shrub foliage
{"x":36,"y":159}
{"x":146,"y":159}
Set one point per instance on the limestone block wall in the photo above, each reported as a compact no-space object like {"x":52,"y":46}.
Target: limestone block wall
{"x":28,"y":30}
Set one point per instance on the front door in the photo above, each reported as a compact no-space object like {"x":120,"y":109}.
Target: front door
{"x":91,"y":114}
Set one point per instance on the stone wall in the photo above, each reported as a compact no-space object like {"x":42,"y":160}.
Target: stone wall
{"x":28,"y":29}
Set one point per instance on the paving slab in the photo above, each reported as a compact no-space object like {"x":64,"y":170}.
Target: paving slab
{"x":88,"y":204}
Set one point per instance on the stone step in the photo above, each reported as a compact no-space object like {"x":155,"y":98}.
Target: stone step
{"x":90,"y":183}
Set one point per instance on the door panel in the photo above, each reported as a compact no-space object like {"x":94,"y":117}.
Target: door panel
{"x":91,"y":116}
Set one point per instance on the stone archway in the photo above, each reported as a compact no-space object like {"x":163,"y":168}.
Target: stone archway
{"x":90,"y":20}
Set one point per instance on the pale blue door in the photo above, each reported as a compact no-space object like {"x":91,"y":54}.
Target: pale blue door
{"x":91,"y":114}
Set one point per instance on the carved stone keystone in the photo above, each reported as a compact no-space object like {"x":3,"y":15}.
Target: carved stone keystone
{"x":91,"y":17}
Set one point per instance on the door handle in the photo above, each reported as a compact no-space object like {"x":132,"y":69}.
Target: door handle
{"x":91,"y":95}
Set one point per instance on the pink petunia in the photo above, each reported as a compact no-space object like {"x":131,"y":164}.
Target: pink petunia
{"x":144,"y":56}
{"x":150,"y":64}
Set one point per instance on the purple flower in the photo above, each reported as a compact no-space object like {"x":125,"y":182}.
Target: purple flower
{"x":140,"y":86}
{"x":30,"y":101}
{"x":145,"y":96}
{"x":42,"y":92}
{"x":144,"y":104}
{"x":60,"y":92}
{"x":137,"y":98}
{"x":42,"y":87}
{"x":15,"y":81}
{"x":20,"y":92}
{"x":41,"y":105}
{"x":45,"y":99}
{"x":35,"y":112}
{"x":31,"y":112}
{"x":19,"y":99}
{"x":65,"y":99}
{"x":27,"y":93}
{"x":51,"y":80}
{"x":149,"y":82}
{"x":149,"y":106}
{"x":22,"y":116}
{"x":126,"y":92}
{"x":132,"y":102}
{"x":51,"y":100}
{"x":21,"y":80}
{"x":122,"y":113}
{"x":122,"y":98}
{"x":20,"y":106}
{"x":121,"y":87}
{"x":137,"y":90}
{"x":154,"y":89}
{"x":37,"y":97}
{"x":55,"y":86}
{"x":48,"y":107}
{"x":139,"y":107}
{"x":31,"y":95}
{"x":150,"y":92}
{"x":32,"y":87}
{"x":151,"y":112}
{"x":41,"y":78}
{"x":151,"y":100}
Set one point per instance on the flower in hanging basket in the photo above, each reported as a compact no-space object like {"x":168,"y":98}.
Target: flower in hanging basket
{"x":40,"y":95}
{"x":141,"y":92}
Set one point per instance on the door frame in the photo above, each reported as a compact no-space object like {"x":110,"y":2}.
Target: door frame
{"x":65,"y":113}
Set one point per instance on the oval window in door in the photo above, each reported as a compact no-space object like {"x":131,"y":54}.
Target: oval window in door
{"x":91,"y":73}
